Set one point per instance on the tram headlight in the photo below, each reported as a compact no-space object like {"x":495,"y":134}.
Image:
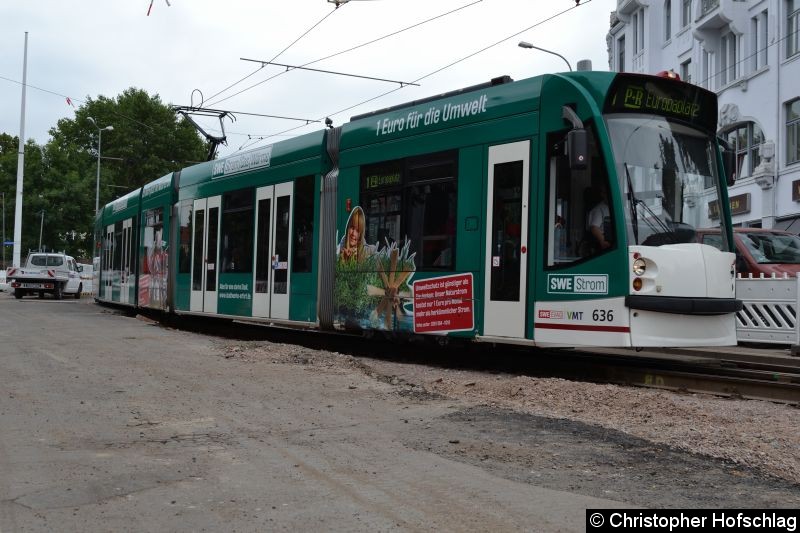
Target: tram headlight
{"x":639,"y":267}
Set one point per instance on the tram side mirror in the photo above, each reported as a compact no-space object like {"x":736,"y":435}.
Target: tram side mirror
{"x":728,"y":161}
{"x":578,"y":149}
{"x":741,"y":264}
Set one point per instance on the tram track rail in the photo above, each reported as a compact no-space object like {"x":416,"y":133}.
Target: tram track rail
{"x":723,"y":373}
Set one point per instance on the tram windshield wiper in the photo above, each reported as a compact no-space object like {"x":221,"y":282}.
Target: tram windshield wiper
{"x":666,"y":230}
{"x":632,"y":201}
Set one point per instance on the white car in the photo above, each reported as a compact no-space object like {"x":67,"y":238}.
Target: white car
{"x":3,"y":284}
{"x":53,"y":273}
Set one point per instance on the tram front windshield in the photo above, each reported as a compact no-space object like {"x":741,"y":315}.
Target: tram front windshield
{"x":668,"y":178}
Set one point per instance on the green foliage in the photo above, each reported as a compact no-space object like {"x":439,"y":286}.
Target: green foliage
{"x":350,"y":287}
{"x":353,"y":279}
{"x":147,"y":142}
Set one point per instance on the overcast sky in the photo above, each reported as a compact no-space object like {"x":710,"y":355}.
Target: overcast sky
{"x":80,"y":48}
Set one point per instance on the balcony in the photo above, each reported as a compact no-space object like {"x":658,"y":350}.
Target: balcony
{"x":715,"y":14}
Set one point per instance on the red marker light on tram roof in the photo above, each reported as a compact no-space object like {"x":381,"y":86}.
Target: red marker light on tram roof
{"x":669,"y":74}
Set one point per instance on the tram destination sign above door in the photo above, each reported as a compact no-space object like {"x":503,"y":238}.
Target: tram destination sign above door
{"x":632,"y":93}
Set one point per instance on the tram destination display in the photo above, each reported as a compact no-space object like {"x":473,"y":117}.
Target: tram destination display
{"x":662,"y":96}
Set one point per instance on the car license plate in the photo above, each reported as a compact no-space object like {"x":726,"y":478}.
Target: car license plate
{"x":37,"y":286}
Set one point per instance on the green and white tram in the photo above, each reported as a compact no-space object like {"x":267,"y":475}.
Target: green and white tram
{"x":558,"y":210}
{"x":481,"y":203}
{"x":116,"y":231}
{"x":247,"y":245}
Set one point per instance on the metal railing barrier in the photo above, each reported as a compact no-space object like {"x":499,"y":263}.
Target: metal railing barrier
{"x":769,"y":312}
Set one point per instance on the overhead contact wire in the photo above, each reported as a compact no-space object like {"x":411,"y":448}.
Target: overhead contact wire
{"x":469,"y":56}
{"x":273,"y":59}
{"x":341,"y":52}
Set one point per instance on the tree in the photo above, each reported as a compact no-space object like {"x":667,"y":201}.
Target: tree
{"x":147,"y":142}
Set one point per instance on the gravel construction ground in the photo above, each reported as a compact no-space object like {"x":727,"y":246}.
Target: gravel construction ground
{"x":646,"y":447}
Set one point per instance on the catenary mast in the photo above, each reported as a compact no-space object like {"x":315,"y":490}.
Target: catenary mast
{"x":20,"y":163}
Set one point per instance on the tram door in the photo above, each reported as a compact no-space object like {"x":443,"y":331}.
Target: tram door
{"x":273,"y":248}
{"x":205,"y":254}
{"x":125,"y":275}
{"x":506,"y":240}
{"x":108,"y":263}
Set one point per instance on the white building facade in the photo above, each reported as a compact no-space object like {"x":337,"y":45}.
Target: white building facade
{"x":748,"y":52}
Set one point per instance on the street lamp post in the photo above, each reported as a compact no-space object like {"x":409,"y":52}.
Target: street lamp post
{"x":41,"y":227}
{"x":4,"y":228}
{"x":523,"y":44}
{"x":99,"y":143}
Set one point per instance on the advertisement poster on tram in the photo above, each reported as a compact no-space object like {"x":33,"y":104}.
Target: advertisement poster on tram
{"x":372,"y":286}
{"x":444,"y":304}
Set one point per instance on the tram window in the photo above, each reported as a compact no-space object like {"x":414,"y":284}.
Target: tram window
{"x":211,"y":251}
{"x":414,"y":199}
{"x":197,"y":259}
{"x":263,"y":263}
{"x":576,"y":200}
{"x":237,"y":231}
{"x":506,"y":230}
{"x":381,"y":199}
{"x":184,"y":257}
{"x":303,"y":223}
{"x":130,"y":268}
{"x":117,"y":257}
{"x":431,"y":214}
{"x":153,"y":241}
{"x":282,"y":224}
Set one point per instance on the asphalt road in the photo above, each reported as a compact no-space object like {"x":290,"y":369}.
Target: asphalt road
{"x":109,"y":423}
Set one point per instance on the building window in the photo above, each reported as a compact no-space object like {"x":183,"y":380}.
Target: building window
{"x":793,"y":131}
{"x":637,"y":25}
{"x":414,"y":200}
{"x":729,"y":68}
{"x":686,"y":71}
{"x":745,"y":139}
{"x":686,"y":13}
{"x":621,"y":54}
{"x":792,"y":27}
{"x":667,"y":20}
{"x":708,"y":65}
{"x":758,"y":55}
